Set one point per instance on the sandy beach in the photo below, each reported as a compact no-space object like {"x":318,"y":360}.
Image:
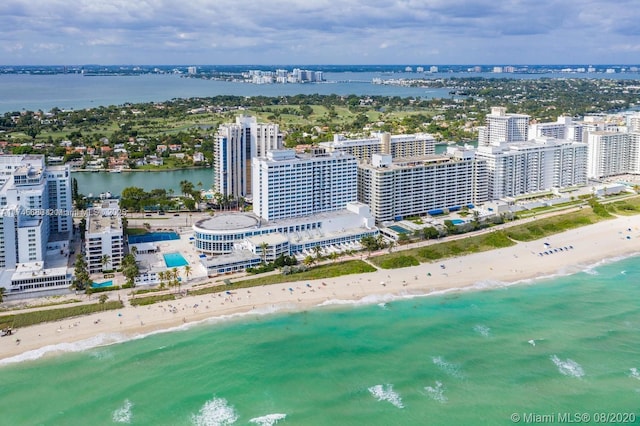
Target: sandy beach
{"x":569,"y":252}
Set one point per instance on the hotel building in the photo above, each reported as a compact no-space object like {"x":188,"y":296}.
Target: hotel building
{"x":289,"y":185}
{"x":300,"y":202}
{"x":35,"y":224}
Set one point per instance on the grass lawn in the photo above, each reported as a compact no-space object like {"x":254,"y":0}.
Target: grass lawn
{"x":473,"y":244}
{"x":541,"y":228}
{"x":319,"y":272}
{"x":30,"y":318}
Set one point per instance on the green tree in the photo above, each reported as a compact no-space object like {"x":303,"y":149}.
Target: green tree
{"x":81,"y":279}
{"x":130,"y":268}
{"x":105,"y":261}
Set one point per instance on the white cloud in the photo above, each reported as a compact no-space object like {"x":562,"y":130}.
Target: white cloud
{"x":379,"y":31}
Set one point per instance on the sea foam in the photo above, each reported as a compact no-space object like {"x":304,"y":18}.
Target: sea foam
{"x":633,"y":372}
{"x":216,"y":412}
{"x":482,"y":330}
{"x":123,"y":414}
{"x":436,"y":392}
{"x":568,"y":367}
{"x":452,"y":370}
{"x":386,"y":393}
{"x":268,"y":420}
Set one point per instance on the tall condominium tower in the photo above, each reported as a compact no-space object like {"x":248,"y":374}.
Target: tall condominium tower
{"x":234,"y":146}
{"x":35,"y":222}
{"x":502,"y":127}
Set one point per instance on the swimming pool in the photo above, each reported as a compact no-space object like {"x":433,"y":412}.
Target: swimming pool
{"x":174,"y":260}
{"x":457,"y":221}
{"x":102,"y":284}
{"x":399,"y":229}
{"x":151,"y":237}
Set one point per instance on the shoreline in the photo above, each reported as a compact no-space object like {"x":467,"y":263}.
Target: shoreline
{"x":575,"y":251}
{"x":139,"y":171}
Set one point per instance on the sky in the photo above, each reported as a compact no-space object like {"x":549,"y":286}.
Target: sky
{"x":398,"y":32}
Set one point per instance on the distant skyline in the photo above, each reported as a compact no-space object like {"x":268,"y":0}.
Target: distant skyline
{"x":411,"y":32}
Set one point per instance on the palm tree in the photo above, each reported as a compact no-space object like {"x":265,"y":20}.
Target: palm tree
{"x":174,"y":274}
{"x":187,"y":271}
{"x":263,"y":251}
{"x":103,"y":299}
{"x":161,"y":277}
{"x":317,"y":250}
{"x":105,"y":261}
{"x":134,"y":251}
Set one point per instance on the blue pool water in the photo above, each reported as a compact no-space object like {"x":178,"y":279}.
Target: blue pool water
{"x":102,"y":284}
{"x":399,"y":229}
{"x":457,"y":221}
{"x":174,"y":260}
{"x":153,"y":237}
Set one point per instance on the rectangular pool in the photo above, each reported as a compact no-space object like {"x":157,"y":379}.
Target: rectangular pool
{"x":174,"y":260}
{"x":151,"y":237}
{"x":399,"y":229}
{"x":102,"y":284}
{"x":457,"y":221}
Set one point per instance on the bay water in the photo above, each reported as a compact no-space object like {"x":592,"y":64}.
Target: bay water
{"x":493,"y":355}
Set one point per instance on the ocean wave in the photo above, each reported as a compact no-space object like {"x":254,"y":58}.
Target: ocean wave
{"x":215,"y":412}
{"x":79,"y":346}
{"x":568,"y":367}
{"x":634,"y":373}
{"x":436,"y":392}
{"x":268,"y":420}
{"x":123,"y":414}
{"x":482,"y":330}
{"x":386,"y":393}
{"x":451,"y":369}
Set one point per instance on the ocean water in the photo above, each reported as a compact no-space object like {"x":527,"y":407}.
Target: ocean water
{"x":561,"y":345}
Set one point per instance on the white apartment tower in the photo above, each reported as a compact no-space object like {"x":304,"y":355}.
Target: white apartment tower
{"x":563,"y":128}
{"x":399,"y":146}
{"x":104,"y":243}
{"x":287,"y":185}
{"x":35,"y":222}
{"x":502,"y":127}
{"x":537,"y":165}
{"x":612,"y":154}
{"x":234,"y":146}
{"x":410,"y":187}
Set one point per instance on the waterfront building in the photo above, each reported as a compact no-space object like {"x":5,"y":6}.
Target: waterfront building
{"x":612,"y":154}
{"x":302,"y":203}
{"x":563,"y":128}
{"x":287,"y":184}
{"x":235,"y":145}
{"x":502,"y":127}
{"x":633,"y":123}
{"x":535,"y":166}
{"x":35,"y":224}
{"x":399,"y":146}
{"x":410,"y":187}
{"x":104,"y":241}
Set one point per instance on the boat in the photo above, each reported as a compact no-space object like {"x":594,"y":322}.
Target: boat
{"x":115,"y":171}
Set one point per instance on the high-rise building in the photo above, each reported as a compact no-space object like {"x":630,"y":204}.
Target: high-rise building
{"x":287,"y":185}
{"x":394,"y":189}
{"x":234,"y":146}
{"x":538,"y":165}
{"x":563,"y":128}
{"x":35,"y":223}
{"x":502,"y":127}
{"x":399,"y":146}
{"x":104,"y":243}
{"x":613,"y":153}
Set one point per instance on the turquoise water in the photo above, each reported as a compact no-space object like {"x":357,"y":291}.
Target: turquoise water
{"x":569,"y":344}
{"x":174,"y":260}
{"x":150,"y":237}
{"x":457,"y":221}
{"x":399,"y":229}
{"x":102,"y":284}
